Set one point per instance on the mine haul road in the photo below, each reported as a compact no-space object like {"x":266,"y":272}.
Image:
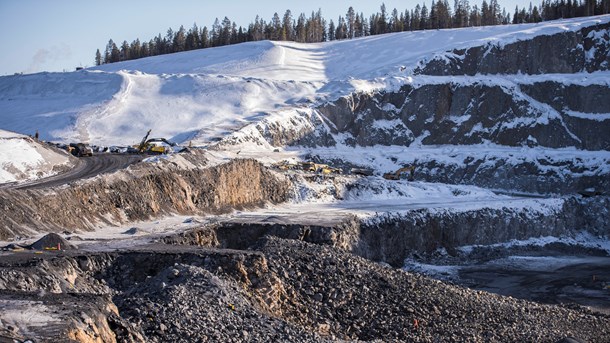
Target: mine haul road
{"x":87,"y":167}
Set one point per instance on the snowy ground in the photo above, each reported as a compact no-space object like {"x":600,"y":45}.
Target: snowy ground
{"x":23,"y":159}
{"x":203,"y":95}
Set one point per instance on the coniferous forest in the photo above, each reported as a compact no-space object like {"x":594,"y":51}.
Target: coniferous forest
{"x":315,"y":28}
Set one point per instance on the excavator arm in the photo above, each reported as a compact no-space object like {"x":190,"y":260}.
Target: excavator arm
{"x":144,"y":142}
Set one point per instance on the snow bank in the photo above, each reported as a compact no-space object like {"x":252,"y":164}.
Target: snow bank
{"x":22,"y":158}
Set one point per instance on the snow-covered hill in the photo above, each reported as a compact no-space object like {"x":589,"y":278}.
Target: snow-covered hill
{"x":22,"y":158}
{"x":502,"y":90}
{"x":203,"y":95}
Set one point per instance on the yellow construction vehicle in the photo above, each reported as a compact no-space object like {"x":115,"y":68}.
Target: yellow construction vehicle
{"x":142,"y":146}
{"x":149,"y":146}
{"x":284,"y":165}
{"x":79,"y":149}
{"x":324,"y":169}
{"x":319,"y":168}
{"x":397,"y":175}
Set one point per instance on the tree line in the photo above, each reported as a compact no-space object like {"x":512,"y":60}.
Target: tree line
{"x":315,"y":28}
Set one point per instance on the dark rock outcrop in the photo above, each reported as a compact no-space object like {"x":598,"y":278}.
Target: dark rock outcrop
{"x":562,"y":53}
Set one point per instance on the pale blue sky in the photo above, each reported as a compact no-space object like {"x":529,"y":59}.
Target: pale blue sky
{"x":56,"y":35}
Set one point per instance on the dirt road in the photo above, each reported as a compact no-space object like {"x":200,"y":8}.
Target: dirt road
{"x":87,"y":167}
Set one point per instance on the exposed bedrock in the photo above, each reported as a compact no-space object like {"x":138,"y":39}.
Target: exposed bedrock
{"x":562,"y":53}
{"x":143,"y":195}
{"x":463,"y":114}
{"x":391,"y":238}
{"x":529,"y":174}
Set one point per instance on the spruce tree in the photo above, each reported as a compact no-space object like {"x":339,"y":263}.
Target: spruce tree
{"x":351,"y":22}
{"x":98,"y":58}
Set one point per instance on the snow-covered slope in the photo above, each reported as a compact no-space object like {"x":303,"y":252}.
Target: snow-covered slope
{"x":202,"y":95}
{"x":22,"y":158}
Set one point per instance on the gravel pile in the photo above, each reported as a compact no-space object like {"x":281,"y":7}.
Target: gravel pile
{"x":51,"y":241}
{"x":190,"y":304}
{"x":356,"y":299}
{"x":330,"y":295}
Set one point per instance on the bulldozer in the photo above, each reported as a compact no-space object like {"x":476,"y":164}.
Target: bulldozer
{"x":147,"y":145}
{"x":397,"y":175}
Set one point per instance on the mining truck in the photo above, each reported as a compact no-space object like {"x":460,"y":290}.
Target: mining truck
{"x":80,"y":149}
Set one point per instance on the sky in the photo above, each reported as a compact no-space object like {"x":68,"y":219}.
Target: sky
{"x":60,"y":35}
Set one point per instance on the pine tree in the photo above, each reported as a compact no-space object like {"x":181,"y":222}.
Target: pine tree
{"x":276,"y":27}
{"x":124,"y":54}
{"x":331,"y":29}
{"x":407,"y":21}
{"x":287,"y":26}
{"x":300,"y":30}
{"x":443,"y":12}
{"x":108,"y":51}
{"x":433,"y":23}
{"x":475,"y":16}
{"x":395,"y":22}
{"x":424,"y":18}
{"x":357,"y":27}
{"x":536,"y":15}
{"x":415,"y":18}
{"x":350,"y":18}
{"x":383,"y":20}
{"x":98,"y":58}
{"x":225,"y":32}
{"x":205,"y":37}
{"x":215,"y":33}
{"x":169,"y":38}
{"x":179,"y":41}
{"x":115,"y":54}
{"x":341,"y":30}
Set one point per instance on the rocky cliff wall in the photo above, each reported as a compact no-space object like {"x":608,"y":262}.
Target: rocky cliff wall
{"x":564,"y":53}
{"x":539,"y":114}
{"x":147,"y":194}
{"x":393,"y":238}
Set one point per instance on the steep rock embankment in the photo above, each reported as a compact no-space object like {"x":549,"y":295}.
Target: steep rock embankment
{"x":564,"y":53}
{"x":393,"y":238}
{"x":472,"y":113}
{"x":530,"y":174}
{"x":139,"y":196}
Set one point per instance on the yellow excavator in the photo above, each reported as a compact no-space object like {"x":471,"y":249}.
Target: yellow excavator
{"x":397,"y":175}
{"x":146,"y":145}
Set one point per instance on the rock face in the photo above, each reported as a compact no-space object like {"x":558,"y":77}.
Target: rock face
{"x":391,"y":239}
{"x":140,"y":196}
{"x":509,"y":102}
{"x":564,"y":53}
{"x":537,"y":114}
{"x":537,"y":174}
